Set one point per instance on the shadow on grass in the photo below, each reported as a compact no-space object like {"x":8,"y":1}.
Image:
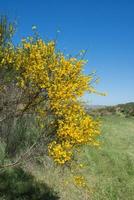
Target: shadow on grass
{"x":15,"y":184}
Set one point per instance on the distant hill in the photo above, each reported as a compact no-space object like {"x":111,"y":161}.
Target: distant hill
{"x":126,"y":110}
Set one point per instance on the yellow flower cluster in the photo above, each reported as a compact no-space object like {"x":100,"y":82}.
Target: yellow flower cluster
{"x":60,"y":152}
{"x":79,"y":181}
{"x":48,"y":76}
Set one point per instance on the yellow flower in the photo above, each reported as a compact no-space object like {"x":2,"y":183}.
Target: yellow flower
{"x":79,"y":181}
{"x":54,"y":82}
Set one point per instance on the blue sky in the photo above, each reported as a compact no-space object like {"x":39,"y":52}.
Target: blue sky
{"x":105,"y":28}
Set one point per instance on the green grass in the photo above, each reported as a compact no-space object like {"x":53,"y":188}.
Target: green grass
{"x":109,"y":171}
{"x":16,"y":184}
{"x":113,"y":165}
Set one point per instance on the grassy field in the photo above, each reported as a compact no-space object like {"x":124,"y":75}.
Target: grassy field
{"x":113,"y":166}
{"x":109,"y":170}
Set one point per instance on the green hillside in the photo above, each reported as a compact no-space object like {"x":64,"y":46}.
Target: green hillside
{"x":126,"y":110}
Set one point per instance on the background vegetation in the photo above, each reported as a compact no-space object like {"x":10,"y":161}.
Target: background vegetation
{"x":126,"y":110}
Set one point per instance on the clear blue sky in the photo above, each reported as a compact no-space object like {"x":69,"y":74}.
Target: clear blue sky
{"x":104,"y":27}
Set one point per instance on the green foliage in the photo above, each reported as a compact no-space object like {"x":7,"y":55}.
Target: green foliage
{"x":126,"y":110}
{"x":7,"y":30}
{"x":23,"y":134}
{"x":2,"y":152}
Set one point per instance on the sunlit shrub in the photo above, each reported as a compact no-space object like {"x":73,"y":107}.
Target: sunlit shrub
{"x":47,"y":84}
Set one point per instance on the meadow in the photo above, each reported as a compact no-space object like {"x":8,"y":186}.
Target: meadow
{"x":109,"y":169}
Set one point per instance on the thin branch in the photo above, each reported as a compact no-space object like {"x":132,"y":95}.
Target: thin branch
{"x":22,"y":157}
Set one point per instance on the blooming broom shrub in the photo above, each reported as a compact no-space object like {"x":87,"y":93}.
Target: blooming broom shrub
{"x":50,"y":85}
